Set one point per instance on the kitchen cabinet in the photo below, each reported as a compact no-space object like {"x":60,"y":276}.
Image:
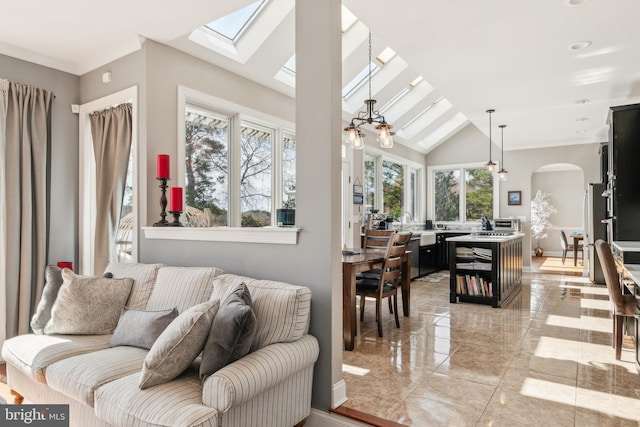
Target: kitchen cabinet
{"x":485,"y":271}
{"x":441,"y":254}
{"x":414,"y":247}
{"x":428,"y":260}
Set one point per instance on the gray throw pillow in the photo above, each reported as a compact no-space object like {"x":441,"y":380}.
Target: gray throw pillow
{"x":139,"y":328}
{"x":231,"y":333}
{"x":178,"y":346}
{"x":88,"y":305}
{"x":53,"y":281}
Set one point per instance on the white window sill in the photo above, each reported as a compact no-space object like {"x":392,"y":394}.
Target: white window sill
{"x":274,"y":235}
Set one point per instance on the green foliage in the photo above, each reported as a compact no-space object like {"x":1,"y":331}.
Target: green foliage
{"x":447,"y":197}
{"x":393,"y":188}
{"x":479,"y":194}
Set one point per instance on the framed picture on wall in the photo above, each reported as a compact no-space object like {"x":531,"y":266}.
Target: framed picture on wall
{"x":515,"y":197}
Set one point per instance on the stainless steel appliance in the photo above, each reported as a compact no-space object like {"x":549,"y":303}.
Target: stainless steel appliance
{"x":506,"y":224}
{"x":595,"y":213}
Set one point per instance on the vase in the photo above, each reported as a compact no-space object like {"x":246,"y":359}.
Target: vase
{"x":538,"y":252}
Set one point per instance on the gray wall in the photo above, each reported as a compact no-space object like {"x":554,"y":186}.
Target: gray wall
{"x":470,"y":145}
{"x":63,"y":234}
{"x":566,"y":190}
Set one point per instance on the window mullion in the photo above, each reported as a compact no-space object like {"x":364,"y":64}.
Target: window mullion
{"x":235,"y":157}
{"x":276,"y":176}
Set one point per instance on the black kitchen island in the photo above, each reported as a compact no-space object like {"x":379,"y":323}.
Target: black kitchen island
{"x":485,"y":269}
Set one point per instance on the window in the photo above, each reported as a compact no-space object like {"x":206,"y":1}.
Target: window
{"x":238,"y":167}
{"x":288,"y":171}
{"x":392,"y":186}
{"x":456,"y":201}
{"x":207,"y":162}
{"x":256,"y":146}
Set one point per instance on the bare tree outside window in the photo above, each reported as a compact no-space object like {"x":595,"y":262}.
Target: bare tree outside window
{"x":256,"y":145}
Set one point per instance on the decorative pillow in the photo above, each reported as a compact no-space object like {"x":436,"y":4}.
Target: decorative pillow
{"x":138,"y":328}
{"x":231,"y":333}
{"x":178,"y":345}
{"x":88,"y":305}
{"x":53,"y":281}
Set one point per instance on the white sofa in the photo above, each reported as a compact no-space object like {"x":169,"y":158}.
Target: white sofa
{"x":269,"y":387}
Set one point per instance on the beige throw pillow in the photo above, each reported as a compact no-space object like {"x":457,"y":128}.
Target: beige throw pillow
{"x":88,"y":305}
{"x":178,"y":346}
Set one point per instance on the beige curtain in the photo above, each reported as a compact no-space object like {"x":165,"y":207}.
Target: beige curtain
{"x":111,"y":132}
{"x":4,"y":88}
{"x":27,"y":164}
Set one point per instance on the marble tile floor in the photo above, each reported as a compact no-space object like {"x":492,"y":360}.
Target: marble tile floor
{"x":546,"y":359}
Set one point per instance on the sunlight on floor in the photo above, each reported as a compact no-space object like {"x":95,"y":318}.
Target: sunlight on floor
{"x":354,"y":370}
{"x":606,"y":403}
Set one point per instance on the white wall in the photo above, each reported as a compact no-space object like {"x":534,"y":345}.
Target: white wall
{"x":566,"y":190}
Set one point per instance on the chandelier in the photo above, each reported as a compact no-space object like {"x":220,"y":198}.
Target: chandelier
{"x":354,"y":136}
{"x":490,"y":163}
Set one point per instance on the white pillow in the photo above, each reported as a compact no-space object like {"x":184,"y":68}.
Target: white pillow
{"x":88,"y":305}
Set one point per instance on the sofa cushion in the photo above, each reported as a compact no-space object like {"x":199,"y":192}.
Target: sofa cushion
{"x":282,"y":310}
{"x":182,"y":287}
{"x":88,"y":305}
{"x":144,"y":277}
{"x":139,"y":328}
{"x":79,"y":376}
{"x":177,"y":403}
{"x":32,"y":354}
{"x":53,"y":281}
{"x":231,"y":334}
{"x":179,"y":344}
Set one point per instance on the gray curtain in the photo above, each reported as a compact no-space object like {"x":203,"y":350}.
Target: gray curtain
{"x":27,"y":164}
{"x":4,"y":89}
{"x":111,"y":132}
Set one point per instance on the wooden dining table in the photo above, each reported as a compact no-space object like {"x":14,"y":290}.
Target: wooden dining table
{"x":577,"y":239}
{"x":361,"y":261}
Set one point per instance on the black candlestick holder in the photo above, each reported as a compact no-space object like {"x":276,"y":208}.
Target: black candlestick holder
{"x":163,"y":204}
{"x":176,"y":219}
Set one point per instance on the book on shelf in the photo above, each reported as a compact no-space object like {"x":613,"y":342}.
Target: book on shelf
{"x":474,"y":285}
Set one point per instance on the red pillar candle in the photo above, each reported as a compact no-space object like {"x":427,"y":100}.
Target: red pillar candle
{"x":175,"y":199}
{"x":163,"y":166}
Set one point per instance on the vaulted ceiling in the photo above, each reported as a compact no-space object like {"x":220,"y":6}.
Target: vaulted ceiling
{"x":441,"y":64}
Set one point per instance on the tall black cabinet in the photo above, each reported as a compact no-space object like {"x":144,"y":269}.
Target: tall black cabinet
{"x":624,"y":172}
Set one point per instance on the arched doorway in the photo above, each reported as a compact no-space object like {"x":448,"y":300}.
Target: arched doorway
{"x":564,"y":185}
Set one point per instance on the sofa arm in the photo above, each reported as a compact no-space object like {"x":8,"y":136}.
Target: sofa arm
{"x":257,"y":372}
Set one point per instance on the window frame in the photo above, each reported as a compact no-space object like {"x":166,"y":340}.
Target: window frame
{"x":239,"y":114}
{"x":415,"y":204}
{"x":431,"y":171}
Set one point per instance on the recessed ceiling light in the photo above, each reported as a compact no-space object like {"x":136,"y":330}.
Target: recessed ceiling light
{"x":582,"y":101}
{"x":580,"y":45}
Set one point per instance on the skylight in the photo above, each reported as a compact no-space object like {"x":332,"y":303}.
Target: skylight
{"x":290,"y":65}
{"x":358,"y":80}
{"x":231,"y":25}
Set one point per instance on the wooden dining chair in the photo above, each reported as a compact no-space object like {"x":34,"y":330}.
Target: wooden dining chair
{"x":377,"y":239}
{"x":568,"y":247}
{"x":386,"y":285}
{"x":621,"y":305}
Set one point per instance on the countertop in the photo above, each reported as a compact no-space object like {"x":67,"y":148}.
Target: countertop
{"x":634,"y":271}
{"x":627,"y":246}
{"x":470,"y":238}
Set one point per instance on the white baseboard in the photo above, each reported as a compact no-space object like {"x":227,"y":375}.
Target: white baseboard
{"x":319,"y":418}
{"x":338,"y":393}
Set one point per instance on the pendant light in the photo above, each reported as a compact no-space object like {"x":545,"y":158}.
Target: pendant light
{"x":490,"y":163}
{"x":502,"y":173}
{"x":352,"y":133}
